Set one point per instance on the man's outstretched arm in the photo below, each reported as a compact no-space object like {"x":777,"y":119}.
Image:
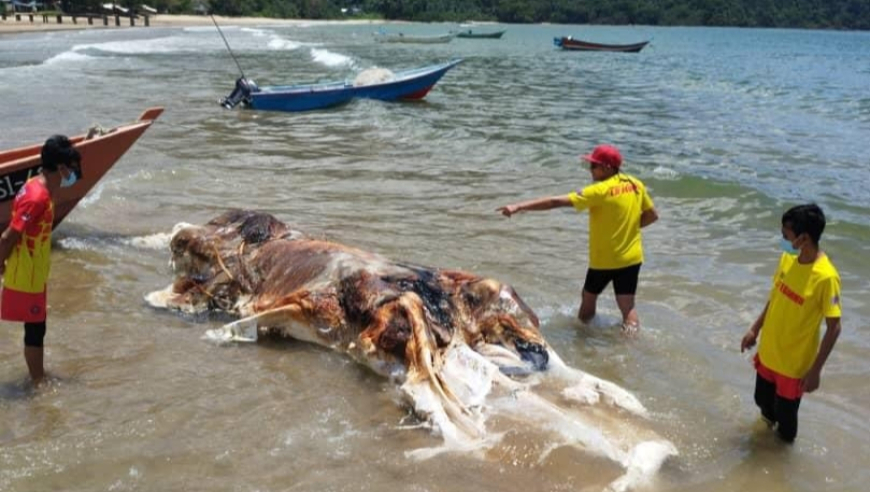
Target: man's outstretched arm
{"x":546,"y":203}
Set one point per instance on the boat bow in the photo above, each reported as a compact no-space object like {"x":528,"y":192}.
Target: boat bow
{"x":99,"y":148}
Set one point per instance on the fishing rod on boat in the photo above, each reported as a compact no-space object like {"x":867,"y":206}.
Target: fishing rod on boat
{"x":227,"y":44}
{"x":244,"y":87}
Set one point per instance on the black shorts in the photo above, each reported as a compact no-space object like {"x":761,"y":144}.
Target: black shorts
{"x":624,"y":280}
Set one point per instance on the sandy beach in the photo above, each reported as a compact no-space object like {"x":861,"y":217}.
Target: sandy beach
{"x":12,"y":26}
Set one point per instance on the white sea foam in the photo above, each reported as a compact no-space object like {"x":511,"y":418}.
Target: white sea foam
{"x":662,"y":172}
{"x":208,"y":28}
{"x":331,"y":59}
{"x":278,"y":43}
{"x":77,"y":243}
{"x":93,"y":196}
{"x":258,"y":33}
{"x":158,"y":241}
{"x":168,"y":44}
{"x":68,"y":56}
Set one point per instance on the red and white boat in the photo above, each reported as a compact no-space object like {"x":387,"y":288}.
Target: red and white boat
{"x":100,"y":150}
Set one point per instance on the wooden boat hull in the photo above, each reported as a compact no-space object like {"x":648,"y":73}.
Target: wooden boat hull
{"x":403,"y":38}
{"x":99,"y":154}
{"x":480,"y":35}
{"x":409,"y":84}
{"x":571,"y":44}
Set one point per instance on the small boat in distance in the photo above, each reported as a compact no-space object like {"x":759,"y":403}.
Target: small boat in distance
{"x":100,"y":150}
{"x":469,"y":34}
{"x":571,"y":44}
{"x":380,"y":84}
{"x":383,"y":37}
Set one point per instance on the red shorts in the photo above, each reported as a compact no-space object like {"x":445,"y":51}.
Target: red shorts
{"x":786,"y":387}
{"x":22,"y":306}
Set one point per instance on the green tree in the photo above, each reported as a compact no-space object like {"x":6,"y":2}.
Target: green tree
{"x":849,"y":14}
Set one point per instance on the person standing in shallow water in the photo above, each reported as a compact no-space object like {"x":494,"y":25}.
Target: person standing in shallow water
{"x":619,"y":206}
{"x":806,"y":288}
{"x":25,"y":247}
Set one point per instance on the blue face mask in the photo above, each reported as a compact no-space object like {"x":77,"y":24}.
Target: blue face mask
{"x":786,"y":246}
{"x":69,"y":180}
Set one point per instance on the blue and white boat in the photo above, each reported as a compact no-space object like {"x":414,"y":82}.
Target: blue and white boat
{"x":384,"y":86}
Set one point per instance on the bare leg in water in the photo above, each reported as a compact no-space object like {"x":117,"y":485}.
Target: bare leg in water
{"x":33,"y":356}
{"x":588,"y":303}
{"x":630,"y":321}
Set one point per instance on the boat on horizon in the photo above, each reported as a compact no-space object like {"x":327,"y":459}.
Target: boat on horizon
{"x":471,"y":34}
{"x":100,"y":150}
{"x":382,"y":85}
{"x":571,"y":44}
{"x":383,"y":37}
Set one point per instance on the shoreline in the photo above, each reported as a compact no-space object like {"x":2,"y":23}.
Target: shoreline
{"x":10,"y":26}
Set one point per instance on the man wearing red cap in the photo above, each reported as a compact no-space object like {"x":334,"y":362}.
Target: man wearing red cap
{"x":619,"y":206}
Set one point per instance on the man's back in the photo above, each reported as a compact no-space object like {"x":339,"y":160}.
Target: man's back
{"x":615,"y":206}
{"x":32,"y":215}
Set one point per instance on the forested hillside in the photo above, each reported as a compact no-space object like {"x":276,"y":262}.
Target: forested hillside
{"x":826,"y":14}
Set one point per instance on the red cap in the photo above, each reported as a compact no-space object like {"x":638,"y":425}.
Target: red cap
{"x":605,"y":155}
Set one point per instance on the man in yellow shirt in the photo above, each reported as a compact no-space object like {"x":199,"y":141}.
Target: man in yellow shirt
{"x":619,"y":206}
{"x":806,"y":288}
{"x":25,"y":247}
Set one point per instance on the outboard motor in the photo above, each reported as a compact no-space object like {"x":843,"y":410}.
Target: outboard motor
{"x":241,"y":94}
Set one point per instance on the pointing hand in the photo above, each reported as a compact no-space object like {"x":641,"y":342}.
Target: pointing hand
{"x":507,"y":210}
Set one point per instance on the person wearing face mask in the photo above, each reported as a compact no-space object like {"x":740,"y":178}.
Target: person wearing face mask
{"x":806,"y":290}
{"x":25,"y":247}
{"x":619,"y":206}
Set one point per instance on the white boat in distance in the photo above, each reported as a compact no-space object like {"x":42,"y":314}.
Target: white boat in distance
{"x":383,"y":37}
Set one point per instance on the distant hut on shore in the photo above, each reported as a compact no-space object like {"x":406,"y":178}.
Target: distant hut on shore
{"x":201,"y":8}
{"x":22,"y":6}
{"x":115,"y":8}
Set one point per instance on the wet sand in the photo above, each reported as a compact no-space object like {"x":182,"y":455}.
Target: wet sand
{"x":12,"y":26}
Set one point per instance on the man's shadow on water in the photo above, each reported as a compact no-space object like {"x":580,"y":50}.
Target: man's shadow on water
{"x":602,"y":338}
{"x":17,"y":390}
{"x":603,"y":329}
{"x":22,"y":388}
{"x":763,"y":458}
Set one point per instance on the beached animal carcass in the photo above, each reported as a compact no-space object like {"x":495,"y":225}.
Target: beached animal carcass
{"x":451,"y":339}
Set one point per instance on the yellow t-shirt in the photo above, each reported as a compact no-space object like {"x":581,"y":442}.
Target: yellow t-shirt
{"x":32,"y":215}
{"x":801,"y":297}
{"x":615,"y":206}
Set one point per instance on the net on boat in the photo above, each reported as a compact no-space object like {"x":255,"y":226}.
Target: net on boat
{"x":373,"y":76}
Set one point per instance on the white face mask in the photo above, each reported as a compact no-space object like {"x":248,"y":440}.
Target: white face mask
{"x":69,"y":180}
{"x":787,"y":247}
